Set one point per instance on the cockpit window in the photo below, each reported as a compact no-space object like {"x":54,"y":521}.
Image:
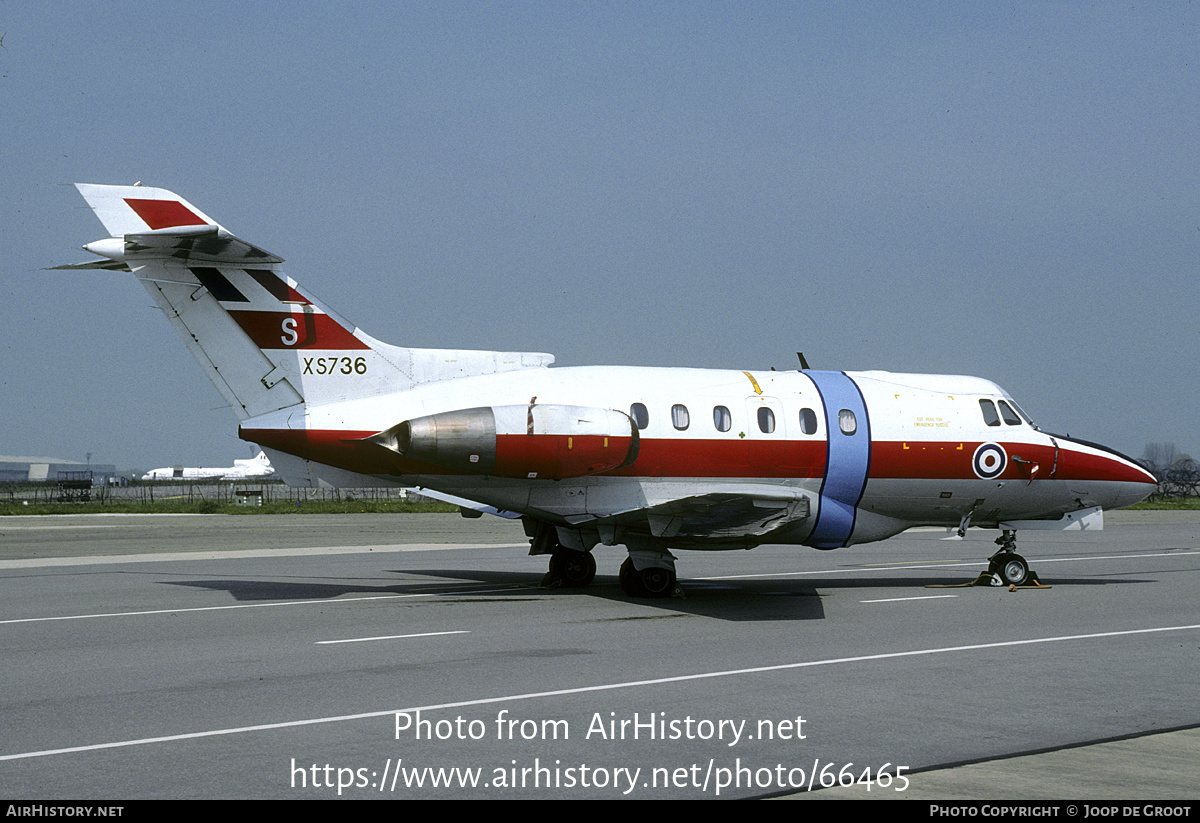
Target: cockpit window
{"x":1010,"y":416}
{"x":989,"y":412}
{"x":1021,"y":412}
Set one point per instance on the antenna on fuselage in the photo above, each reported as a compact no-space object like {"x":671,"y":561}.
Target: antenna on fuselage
{"x":803,"y":363}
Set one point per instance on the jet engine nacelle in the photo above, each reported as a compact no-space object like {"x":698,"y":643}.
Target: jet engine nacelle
{"x":543,"y":441}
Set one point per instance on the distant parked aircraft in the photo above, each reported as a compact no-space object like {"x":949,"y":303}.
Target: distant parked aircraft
{"x":257,"y":466}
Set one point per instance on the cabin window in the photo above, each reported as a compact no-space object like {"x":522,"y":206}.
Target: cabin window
{"x":721,"y":419}
{"x":847,"y":422}
{"x":808,"y":421}
{"x":989,"y":413}
{"x":679,"y":416}
{"x":766,"y":420}
{"x":1010,"y":416}
{"x":641,"y":417}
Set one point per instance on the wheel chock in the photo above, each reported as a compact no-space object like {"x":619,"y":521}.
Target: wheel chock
{"x":1032,"y":583}
{"x":991,"y":579}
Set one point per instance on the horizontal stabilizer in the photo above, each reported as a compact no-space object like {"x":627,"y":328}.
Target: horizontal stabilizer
{"x":139,"y":209}
{"x":157,"y":223}
{"x":215,"y":246}
{"x":107,"y":265}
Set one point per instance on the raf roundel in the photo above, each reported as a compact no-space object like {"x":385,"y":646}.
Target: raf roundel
{"x":989,"y":461}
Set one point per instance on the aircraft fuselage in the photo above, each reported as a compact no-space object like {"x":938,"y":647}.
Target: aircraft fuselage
{"x":869,"y":453}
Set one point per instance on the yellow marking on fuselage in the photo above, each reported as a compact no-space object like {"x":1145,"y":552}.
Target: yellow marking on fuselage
{"x":753,"y":382}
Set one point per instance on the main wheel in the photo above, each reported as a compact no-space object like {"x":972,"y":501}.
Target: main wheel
{"x":1013,"y":570}
{"x":652,"y":581}
{"x":574,"y":568}
{"x":629,"y":579}
{"x":658,"y":582}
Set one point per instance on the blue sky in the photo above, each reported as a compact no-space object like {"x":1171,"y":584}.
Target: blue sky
{"x":1005,"y":191}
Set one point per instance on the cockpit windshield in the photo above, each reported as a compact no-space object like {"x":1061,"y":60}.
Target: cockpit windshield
{"x":1019,"y":410}
{"x":1005,"y":410}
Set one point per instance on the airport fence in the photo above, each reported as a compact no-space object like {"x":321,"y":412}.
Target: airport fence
{"x":221,"y":493}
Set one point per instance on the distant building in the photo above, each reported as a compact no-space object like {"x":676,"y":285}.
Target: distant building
{"x":26,"y":469}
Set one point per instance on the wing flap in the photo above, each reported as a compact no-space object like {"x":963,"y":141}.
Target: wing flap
{"x":716,"y":515}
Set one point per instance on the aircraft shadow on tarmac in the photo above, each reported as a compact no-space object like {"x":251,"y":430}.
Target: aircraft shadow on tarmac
{"x":745,"y":600}
{"x":749,"y":599}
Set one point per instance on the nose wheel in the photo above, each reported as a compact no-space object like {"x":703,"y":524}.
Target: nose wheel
{"x":1010,"y":567}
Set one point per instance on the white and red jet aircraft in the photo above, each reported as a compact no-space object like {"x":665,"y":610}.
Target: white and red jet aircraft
{"x":654,"y":459}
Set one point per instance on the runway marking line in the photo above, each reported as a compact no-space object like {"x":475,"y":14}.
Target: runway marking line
{"x":900,"y":599}
{"x":890,"y":567}
{"x":325,"y":601}
{"x":243,"y":554}
{"x":634,"y":684}
{"x":390,"y":637}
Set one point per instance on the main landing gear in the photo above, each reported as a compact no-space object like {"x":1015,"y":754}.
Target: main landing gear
{"x":647,"y":572}
{"x":1006,"y":564}
{"x":651,"y":581}
{"x":575,"y":569}
{"x":571,"y":568}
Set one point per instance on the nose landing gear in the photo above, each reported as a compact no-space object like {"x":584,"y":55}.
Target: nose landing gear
{"x":1006,"y":564}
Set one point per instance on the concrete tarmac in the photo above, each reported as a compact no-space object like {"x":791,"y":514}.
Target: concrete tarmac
{"x":289,"y":656}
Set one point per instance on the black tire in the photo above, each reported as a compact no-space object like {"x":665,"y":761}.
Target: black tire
{"x":657,"y":582}
{"x":1013,"y":570}
{"x":630,"y":581}
{"x":652,"y":581}
{"x":575,"y":569}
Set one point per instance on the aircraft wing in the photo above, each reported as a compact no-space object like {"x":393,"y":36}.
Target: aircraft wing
{"x":752,"y":513}
{"x":723,"y":514}
{"x":470,"y":505}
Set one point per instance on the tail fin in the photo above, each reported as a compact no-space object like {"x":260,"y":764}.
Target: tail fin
{"x":264,"y":341}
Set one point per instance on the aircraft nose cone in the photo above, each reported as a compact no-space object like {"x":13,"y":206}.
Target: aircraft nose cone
{"x":1142,"y":489}
{"x":1134,"y":483}
{"x":1111,"y":479}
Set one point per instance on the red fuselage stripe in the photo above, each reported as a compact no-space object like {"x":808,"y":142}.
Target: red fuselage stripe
{"x":730,"y":459}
